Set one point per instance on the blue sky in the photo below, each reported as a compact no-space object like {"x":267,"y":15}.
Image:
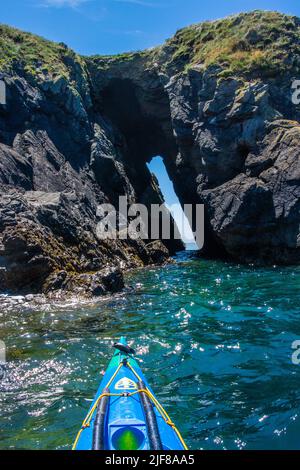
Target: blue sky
{"x":113,"y":26}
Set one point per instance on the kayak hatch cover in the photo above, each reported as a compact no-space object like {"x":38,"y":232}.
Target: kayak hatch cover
{"x":125,"y":415}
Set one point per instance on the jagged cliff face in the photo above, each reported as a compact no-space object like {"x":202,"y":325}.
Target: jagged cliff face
{"x":214,"y":102}
{"x":60,"y":157}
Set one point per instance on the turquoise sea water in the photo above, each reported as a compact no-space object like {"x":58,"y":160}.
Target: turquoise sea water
{"x":213,"y":338}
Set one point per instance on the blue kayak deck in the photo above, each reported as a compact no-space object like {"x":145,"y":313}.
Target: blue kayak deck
{"x":125,"y":422}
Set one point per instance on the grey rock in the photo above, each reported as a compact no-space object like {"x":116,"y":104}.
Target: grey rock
{"x":253,"y":36}
{"x":158,"y":252}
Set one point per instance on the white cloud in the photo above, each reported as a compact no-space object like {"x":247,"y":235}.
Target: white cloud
{"x":62,"y":3}
{"x":76,"y":3}
{"x":143,"y":3}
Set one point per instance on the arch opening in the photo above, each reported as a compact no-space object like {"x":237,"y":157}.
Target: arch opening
{"x":158,"y":168}
{"x":147,"y":147}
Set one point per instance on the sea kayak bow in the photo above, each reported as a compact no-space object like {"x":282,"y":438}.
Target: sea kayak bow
{"x":125,"y":415}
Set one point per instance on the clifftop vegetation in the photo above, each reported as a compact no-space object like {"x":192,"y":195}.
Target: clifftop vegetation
{"x":268,"y":42}
{"x":34,"y":54}
{"x":265,"y":41}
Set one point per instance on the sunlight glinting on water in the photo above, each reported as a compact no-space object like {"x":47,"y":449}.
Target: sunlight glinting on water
{"x":216,"y":350}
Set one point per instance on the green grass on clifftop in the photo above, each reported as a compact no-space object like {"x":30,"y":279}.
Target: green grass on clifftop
{"x":264,"y":41}
{"x":33,"y":54}
{"x":257,"y":43}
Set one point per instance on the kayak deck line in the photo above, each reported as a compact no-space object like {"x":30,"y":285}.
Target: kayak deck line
{"x":150,"y":418}
{"x":145,"y":398}
{"x":168,"y":420}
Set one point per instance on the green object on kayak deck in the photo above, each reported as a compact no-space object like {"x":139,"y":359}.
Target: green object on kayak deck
{"x":128,"y":439}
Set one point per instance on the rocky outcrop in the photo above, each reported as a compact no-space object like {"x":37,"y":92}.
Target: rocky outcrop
{"x":60,"y":160}
{"x":257,"y":212}
{"x":244,"y":158}
{"x":232,"y":142}
{"x":214,"y":102}
{"x":49,"y":242}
